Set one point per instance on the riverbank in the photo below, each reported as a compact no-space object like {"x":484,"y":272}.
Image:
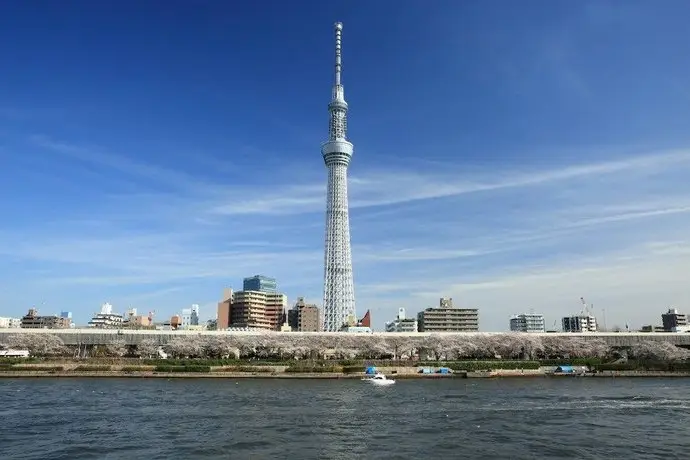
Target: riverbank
{"x":136,"y":368}
{"x":216,"y":375}
{"x":324,"y":375}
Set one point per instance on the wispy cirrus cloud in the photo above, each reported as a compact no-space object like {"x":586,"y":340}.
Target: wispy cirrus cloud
{"x":417,"y":234}
{"x":379,"y":188}
{"x":517,"y":182}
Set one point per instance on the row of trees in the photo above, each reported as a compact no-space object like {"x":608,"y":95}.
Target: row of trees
{"x":346,"y":346}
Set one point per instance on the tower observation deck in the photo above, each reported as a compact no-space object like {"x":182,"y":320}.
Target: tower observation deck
{"x":338,"y":286}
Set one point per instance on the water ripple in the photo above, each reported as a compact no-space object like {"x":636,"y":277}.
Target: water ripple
{"x":497,"y":419}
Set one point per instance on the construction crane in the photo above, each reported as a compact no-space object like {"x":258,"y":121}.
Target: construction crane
{"x":585,"y":309}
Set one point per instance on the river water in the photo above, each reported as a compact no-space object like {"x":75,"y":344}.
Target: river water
{"x":586,"y":418}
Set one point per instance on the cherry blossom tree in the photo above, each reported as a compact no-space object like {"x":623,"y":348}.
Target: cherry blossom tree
{"x":147,"y":348}
{"x":658,"y":351}
{"x":218,"y":347}
{"x":401,"y":347}
{"x":185,"y":347}
{"x":117,"y":348}
{"x":38,"y":344}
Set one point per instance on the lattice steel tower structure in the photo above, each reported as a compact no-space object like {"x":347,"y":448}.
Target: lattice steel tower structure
{"x":338,"y":287}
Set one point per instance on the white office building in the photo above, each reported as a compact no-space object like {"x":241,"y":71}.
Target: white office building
{"x":6,"y":323}
{"x":527,"y":322}
{"x":402,"y":323}
{"x":190,"y":316}
{"x":106,"y":319}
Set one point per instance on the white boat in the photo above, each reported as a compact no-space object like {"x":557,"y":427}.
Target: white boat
{"x":379,"y":379}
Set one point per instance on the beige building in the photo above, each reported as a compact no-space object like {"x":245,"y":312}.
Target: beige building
{"x":305,"y":317}
{"x":258,"y":310}
{"x":32,"y":320}
{"x":251,"y":309}
{"x":138,"y":322}
{"x":448,"y":318}
{"x":223,"y":312}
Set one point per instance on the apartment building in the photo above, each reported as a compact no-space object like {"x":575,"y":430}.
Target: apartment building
{"x":579,"y":323}
{"x":527,"y":322}
{"x":32,"y":320}
{"x":402,"y":323}
{"x":673,"y":321}
{"x":448,"y":318}
{"x":258,"y":310}
{"x":304,"y":317}
{"x":10,"y":323}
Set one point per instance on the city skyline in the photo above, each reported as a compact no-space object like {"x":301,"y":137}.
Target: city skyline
{"x":515,"y":158}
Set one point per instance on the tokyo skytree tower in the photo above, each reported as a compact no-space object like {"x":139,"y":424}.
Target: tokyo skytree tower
{"x":338,"y":287}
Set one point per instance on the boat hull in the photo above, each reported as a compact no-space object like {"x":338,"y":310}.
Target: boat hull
{"x":382,"y":383}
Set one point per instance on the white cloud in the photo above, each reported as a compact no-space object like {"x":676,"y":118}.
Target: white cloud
{"x":612,"y":231}
{"x":379,"y":188}
{"x":633,"y":286}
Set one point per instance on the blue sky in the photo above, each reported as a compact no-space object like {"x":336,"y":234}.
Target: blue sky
{"x":514,"y":156}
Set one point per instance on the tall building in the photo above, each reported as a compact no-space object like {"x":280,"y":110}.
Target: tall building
{"x":260,"y":283}
{"x":338,"y":289}
{"x":527,"y":323}
{"x":580,"y":323}
{"x":448,"y":318}
{"x":402,"y":323}
{"x":304,"y":317}
{"x":252,"y":310}
{"x":673,"y":321}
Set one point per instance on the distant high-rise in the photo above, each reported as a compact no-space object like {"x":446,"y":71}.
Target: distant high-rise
{"x":579,"y":323}
{"x":338,"y":288}
{"x":447,"y":318}
{"x":257,"y":310}
{"x":402,"y":323}
{"x":190,"y":316}
{"x":527,"y":323}
{"x":304,"y":317}
{"x":223,"y":319}
{"x":673,"y":321}
{"x":260,"y":283}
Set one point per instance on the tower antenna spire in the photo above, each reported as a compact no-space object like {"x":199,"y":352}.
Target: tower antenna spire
{"x":338,"y":60}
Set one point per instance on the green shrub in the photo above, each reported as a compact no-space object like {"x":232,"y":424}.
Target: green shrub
{"x":29,"y":360}
{"x":202,"y":369}
{"x":212,"y":362}
{"x":489,"y":365}
{"x":571,"y":362}
{"x":19,"y":368}
{"x":91,"y":369}
{"x":242,"y":369}
{"x":313,"y":369}
{"x":353,"y":369}
{"x":136,"y":369}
